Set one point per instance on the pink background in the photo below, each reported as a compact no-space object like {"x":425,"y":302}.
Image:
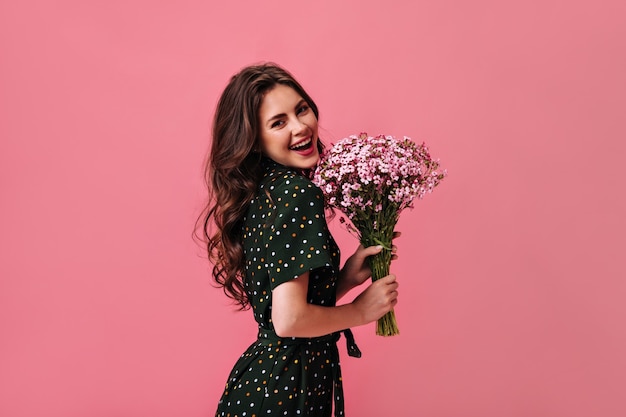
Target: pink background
{"x":512,"y":273}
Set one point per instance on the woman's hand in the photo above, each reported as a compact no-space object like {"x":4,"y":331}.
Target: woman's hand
{"x":356,"y":270}
{"x":377,"y":299}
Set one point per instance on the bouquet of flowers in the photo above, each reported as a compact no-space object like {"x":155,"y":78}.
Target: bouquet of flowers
{"x":371,"y":180}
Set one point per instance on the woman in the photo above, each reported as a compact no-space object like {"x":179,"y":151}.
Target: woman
{"x":272,"y":250}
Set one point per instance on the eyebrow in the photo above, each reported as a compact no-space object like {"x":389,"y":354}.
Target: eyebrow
{"x":281,"y":115}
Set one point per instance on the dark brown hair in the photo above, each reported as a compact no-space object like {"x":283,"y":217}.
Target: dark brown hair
{"x":233,"y":171}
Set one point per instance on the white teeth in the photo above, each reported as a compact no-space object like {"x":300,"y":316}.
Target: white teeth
{"x":300,"y":145}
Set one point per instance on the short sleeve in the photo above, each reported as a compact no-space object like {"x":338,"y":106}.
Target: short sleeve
{"x":298,"y":240}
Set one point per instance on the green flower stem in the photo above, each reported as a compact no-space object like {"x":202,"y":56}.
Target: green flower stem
{"x":386,"y":325}
{"x":380,"y":232}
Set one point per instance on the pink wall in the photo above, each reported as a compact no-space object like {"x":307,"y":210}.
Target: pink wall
{"x":512,"y":273}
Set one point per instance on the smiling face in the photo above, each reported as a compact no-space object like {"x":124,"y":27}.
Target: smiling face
{"x":288,"y":128}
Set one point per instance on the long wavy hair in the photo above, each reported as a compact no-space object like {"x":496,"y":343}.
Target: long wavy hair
{"x":233,"y":171}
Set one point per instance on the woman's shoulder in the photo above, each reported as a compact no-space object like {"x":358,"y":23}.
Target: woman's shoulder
{"x":282,"y":178}
{"x":285,"y":184}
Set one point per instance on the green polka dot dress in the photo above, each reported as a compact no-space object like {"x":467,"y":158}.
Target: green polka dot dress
{"x":285,"y":235}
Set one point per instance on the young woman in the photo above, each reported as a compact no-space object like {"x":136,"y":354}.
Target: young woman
{"x":267,"y":237}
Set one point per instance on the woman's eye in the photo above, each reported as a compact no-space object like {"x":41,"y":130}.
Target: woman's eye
{"x":277,"y":123}
{"x":303,"y":109}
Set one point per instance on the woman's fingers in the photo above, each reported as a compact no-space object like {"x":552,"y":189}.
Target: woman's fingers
{"x":394,"y":248}
{"x":371,"y":250}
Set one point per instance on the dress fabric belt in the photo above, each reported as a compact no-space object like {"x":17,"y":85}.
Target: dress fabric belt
{"x":266,"y":336}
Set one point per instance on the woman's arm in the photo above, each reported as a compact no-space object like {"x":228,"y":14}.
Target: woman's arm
{"x":293,"y":316}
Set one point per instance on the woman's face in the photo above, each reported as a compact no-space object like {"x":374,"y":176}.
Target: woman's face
{"x":288,"y":128}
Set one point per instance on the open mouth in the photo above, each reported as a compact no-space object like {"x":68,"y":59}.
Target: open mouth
{"x":301,"y":146}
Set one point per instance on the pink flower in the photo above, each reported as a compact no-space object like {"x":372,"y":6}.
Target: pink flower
{"x":381,"y":173}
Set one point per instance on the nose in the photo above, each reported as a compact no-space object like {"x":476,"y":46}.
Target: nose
{"x":298,"y":127}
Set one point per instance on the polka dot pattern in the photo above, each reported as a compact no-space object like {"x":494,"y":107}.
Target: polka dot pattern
{"x":285,"y":235}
